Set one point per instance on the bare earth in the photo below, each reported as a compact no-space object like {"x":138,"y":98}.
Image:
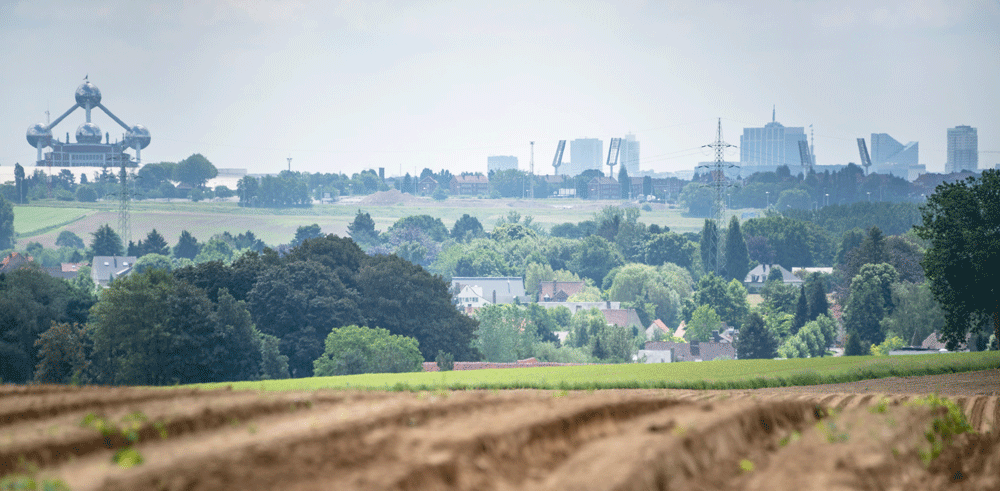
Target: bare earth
{"x":820,"y":437}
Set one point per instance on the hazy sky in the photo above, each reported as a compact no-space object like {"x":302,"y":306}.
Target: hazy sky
{"x":345,"y":86}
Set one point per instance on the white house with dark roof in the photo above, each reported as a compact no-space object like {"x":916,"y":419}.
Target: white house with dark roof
{"x":488,"y":290}
{"x":104,"y":269}
{"x":758,"y":276}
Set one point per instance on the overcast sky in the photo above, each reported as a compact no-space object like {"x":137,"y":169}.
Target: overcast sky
{"x":345,"y":86}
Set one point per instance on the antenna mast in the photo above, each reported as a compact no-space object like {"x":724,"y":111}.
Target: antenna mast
{"x":720,"y":183}
{"x":531,"y":174}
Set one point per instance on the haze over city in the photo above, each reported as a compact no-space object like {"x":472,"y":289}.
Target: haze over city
{"x":347,"y":86}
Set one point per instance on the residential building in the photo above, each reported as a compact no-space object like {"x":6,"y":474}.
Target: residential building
{"x":891,"y":157}
{"x":584,"y":154}
{"x":774,"y":145}
{"x":66,"y":271}
{"x":657,"y":327}
{"x":427,"y":185}
{"x":622,"y":317}
{"x":628,"y":154}
{"x":757,"y":277}
{"x":501,"y":162}
{"x":575,"y":307}
{"x":489,"y":290}
{"x":668,"y":188}
{"x":105,"y":269}
{"x":558,"y":291}
{"x":693,"y":351}
{"x":470,"y":185}
{"x":604,"y":188}
{"x":14,"y":260}
{"x":963,"y":149}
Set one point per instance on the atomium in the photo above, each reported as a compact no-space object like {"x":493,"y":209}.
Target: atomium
{"x":138,"y":137}
{"x":38,"y":134}
{"x":88,"y":133}
{"x":88,"y":94}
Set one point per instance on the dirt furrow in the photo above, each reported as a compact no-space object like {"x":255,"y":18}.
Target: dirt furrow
{"x":48,"y":402}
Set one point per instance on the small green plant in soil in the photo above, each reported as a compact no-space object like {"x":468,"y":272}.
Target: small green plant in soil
{"x":25,"y":478}
{"x":943,"y":429}
{"x":128,"y":427}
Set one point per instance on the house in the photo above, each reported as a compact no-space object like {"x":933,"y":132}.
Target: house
{"x":668,"y":188}
{"x":622,"y":317}
{"x":104,"y":269}
{"x":575,"y":307}
{"x":488,"y":290}
{"x":427,"y":185}
{"x":758,"y":276}
{"x":604,"y":188}
{"x":635,"y":188}
{"x":66,"y":271}
{"x":558,"y":291}
{"x":470,"y":185}
{"x":694,"y":351}
{"x":14,"y":260}
{"x":656,"y":327}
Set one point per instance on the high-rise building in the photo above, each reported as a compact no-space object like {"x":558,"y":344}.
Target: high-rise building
{"x":500,"y":162}
{"x":963,"y":149}
{"x":891,"y":157}
{"x":628,"y":155}
{"x":584,"y":154}
{"x":772,"y":146}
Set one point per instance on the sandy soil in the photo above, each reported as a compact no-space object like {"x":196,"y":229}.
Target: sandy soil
{"x":824,"y":437}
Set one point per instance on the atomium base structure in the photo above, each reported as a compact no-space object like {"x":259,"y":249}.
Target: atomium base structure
{"x":88,"y":150}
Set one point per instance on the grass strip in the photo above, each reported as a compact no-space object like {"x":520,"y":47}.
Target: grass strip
{"x":726,"y":374}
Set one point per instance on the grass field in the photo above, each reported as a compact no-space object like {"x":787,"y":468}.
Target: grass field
{"x":43,"y":220}
{"x":729,"y":374}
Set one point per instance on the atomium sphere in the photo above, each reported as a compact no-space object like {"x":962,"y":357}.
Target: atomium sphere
{"x":88,"y":133}
{"x":39,"y":134}
{"x":88,"y":93}
{"x":138,"y":137}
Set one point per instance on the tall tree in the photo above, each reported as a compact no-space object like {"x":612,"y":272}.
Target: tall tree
{"x":195,"y":170}
{"x":30,"y":300}
{"x":187,"y":246}
{"x":801,"y":312}
{"x":710,"y":247}
{"x":306,"y":232}
{"x":20,"y":185}
{"x":466,"y":226}
{"x":106,"y":242}
{"x":624,"y":183}
{"x":62,"y":354}
{"x":362,"y":229}
{"x":870,"y":301}
{"x":816,"y":293}
{"x":155,"y":244}
{"x":6,"y":224}
{"x":756,"y":341}
{"x":737,"y":255}
{"x":961,"y":220}
{"x":69,"y":239}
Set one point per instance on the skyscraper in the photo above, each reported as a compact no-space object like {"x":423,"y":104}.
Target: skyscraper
{"x":500,"y":162}
{"x":772,"y":146}
{"x":891,"y":157}
{"x":584,"y":154}
{"x":963,"y":149}
{"x":629,"y":154}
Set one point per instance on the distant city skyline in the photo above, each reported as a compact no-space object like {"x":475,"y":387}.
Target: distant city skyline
{"x":347,"y":86}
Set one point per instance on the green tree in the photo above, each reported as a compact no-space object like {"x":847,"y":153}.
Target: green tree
{"x":801,"y":311}
{"x":6,"y":224}
{"x":20,"y":185}
{"x":710,"y":247}
{"x":466,"y":227}
{"x":916,"y":313}
{"x":305,"y":232}
{"x":698,"y":199}
{"x":273,"y":364}
{"x":407,"y":300}
{"x":248,"y":189}
{"x":195,"y":171}
{"x":737,"y":256}
{"x":704,"y":320}
{"x":612,"y":343}
{"x":624,"y":183}
{"x":362,"y":229}
{"x":501,"y":336}
{"x":642,"y":284}
{"x":152,"y":261}
{"x":870,"y":301}
{"x":214,"y":250}
{"x":960,"y":220}
{"x":794,"y":198}
{"x":728,"y":300}
{"x":595,"y":258}
{"x":155,"y":244}
{"x":187,"y":246}
{"x":669,"y":247}
{"x":106,"y":242}
{"x":356,"y":349}
{"x":433,"y":227}
{"x":755,"y":340}
{"x":62,"y":354}
{"x":816,"y":293}
{"x":69,"y":239}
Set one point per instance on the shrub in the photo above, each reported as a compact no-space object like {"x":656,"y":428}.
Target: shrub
{"x":355,"y":349}
{"x":86,"y":194}
{"x":445,"y":361}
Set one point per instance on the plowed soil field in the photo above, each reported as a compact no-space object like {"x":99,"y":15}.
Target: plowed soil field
{"x":825,"y":437}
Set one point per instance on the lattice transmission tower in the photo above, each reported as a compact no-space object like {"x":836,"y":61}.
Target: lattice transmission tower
{"x":719,"y":183}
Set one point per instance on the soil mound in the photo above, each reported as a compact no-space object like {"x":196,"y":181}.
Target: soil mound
{"x":534,"y":440}
{"x":387,"y":198}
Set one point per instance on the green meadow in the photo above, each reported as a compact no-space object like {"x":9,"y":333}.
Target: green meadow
{"x":727,"y":374}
